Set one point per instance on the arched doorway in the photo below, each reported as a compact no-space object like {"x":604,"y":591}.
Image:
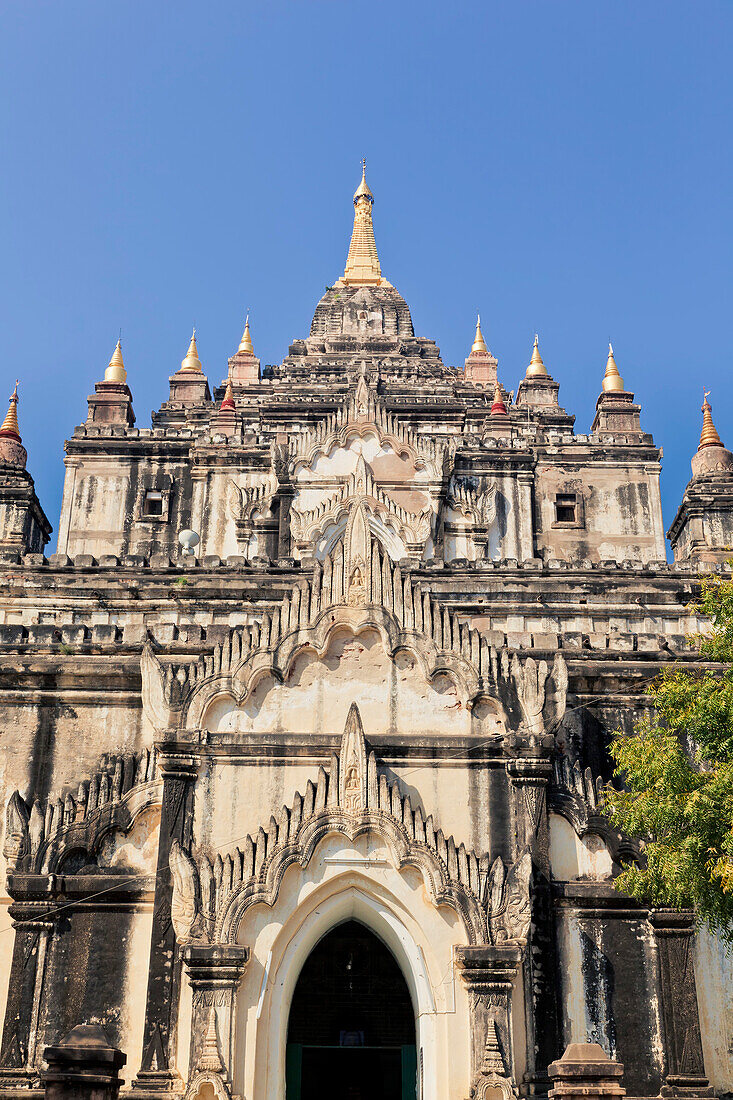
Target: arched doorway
{"x":351,"y":1030}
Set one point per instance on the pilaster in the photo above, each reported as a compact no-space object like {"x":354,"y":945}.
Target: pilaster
{"x":158,"y":1071}
{"x":488,"y":972}
{"x":214,"y":971}
{"x":684,"y":1065}
{"x":529,"y":777}
{"x":33,"y":923}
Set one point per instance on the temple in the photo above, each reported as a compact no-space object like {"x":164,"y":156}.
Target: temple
{"x":306,"y":721}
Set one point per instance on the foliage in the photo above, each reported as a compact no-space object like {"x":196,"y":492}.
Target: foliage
{"x":677,"y":774}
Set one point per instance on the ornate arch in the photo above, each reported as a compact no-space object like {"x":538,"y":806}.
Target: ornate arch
{"x":357,"y":587}
{"x":576,"y":796}
{"x":364,"y":412}
{"x":38,"y":838}
{"x":350,"y":797}
{"x":410,"y":527}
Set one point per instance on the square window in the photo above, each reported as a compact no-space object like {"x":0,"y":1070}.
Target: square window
{"x":153,"y":505}
{"x":566,"y":508}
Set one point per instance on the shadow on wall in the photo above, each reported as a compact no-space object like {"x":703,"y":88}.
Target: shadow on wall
{"x":598,"y":986}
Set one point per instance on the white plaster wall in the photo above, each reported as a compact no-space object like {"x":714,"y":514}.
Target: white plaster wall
{"x":574,"y":857}
{"x":392,"y":695}
{"x":714,"y":977}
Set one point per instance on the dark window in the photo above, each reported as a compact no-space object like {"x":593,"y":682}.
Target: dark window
{"x":153,"y":504}
{"x":566,"y":508}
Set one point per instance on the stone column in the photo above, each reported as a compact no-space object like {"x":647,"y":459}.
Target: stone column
{"x":158,"y":1067}
{"x":488,"y":972}
{"x":286,"y":495}
{"x":585,"y":1072}
{"x":684,"y":1066}
{"x":84,"y":1066}
{"x":529,"y":777}
{"x":214,"y":971}
{"x":33,"y":927}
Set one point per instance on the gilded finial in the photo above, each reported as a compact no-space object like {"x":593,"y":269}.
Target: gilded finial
{"x":115,"y":371}
{"x":709,"y":436}
{"x":479,"y":344}
{"x":362,"y":190}
{"x":10,"y":427}
{"x":362,"y":262}
{"x":191,"y":363}
{"x":245,"y":344}
{"x":612,"y":380}
{"x":536,"y":368}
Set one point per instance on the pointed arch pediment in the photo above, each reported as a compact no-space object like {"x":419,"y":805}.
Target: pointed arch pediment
{"x":350,"y":797}
{"x":391,"y":523}
{"x":364,"y":412}
{"x":531,"y":694}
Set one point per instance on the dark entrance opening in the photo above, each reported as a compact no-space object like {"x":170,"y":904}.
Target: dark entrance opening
{"x":351,"y":1032}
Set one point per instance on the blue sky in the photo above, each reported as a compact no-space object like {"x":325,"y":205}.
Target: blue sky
{"x":563,"y":167}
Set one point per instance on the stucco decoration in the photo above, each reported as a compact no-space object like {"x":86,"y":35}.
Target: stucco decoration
{"x":249,"y":505}
{"x":322,"y":525}
{"x":209,"y":1079}
{"x":472,"y":498}
{"x":352,"y":797}
{"x":185,"y":899}
{"x":359,"y":590}
{"x":509,"y":899}
{"x":576,"y":795}
{"x":364,"y":412}
{"x":491,"y":1080}
{"x":17,"y":837}
{"x":110,"y":801}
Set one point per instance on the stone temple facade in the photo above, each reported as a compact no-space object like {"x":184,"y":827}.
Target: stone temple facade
{"x":304,"y":724}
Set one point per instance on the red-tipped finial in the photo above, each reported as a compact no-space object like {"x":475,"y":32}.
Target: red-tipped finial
{"x":498,"y":408}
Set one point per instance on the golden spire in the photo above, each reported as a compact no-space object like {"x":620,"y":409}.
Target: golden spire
{"x":536,"y":368}
{"x":612,"y":380}
{"x":192,"y":363}
{"x":479,"y":344}
{"x":10,"y":423}
{"x":709,"y":436}
{"x":245,"y":344}
{"x":362,"y":263}
{"x":116,"y":372}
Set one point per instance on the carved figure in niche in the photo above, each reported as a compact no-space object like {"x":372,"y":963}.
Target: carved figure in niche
{"x":357,"y":588}
{"x":353,"y":788}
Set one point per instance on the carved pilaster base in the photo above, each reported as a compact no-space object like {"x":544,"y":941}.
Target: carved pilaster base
{"x":489,"y":972}
{"x":214,"y":971}
{"x":158,"y":1082}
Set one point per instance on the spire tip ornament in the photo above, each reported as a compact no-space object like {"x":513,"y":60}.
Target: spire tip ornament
{"x":479,"y":344}
{"x":536,"y":368}
{"x":709,"y":436}
{"x":191,"y":364}
{"x":10,"y":428}
{"x":115,"y":371}
{"x":245,"y":344}
{"x":612,"y":380}
{"x":498,"y":408}
{"x":362,"y":262}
